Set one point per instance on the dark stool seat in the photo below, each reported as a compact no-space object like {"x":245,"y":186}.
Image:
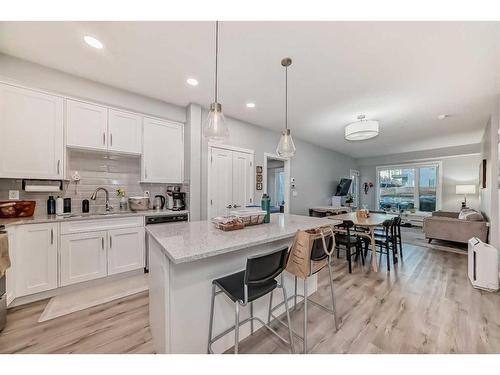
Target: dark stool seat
{"x":234,"y":287}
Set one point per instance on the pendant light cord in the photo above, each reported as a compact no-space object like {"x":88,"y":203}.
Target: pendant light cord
{"x":286,"y":97}
{"x":216,"y":57}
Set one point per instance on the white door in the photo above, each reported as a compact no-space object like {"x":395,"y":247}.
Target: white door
{"x":83,"y":257}
{"x":221,"y":182}
{"x":86,"y":125}
{"x":35,"y":268}
{"x":124,"y":132}
{"x":31,"y":134}
{"x":242,"y":179}
{"x":126,"y":250}
{"x":163,"y":151}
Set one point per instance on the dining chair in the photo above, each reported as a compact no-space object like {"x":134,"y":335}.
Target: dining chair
{"x":349,"y":240}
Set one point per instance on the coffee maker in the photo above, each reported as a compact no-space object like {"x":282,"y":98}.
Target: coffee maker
{"x":175,"y":199}
{"x":179,"y":201}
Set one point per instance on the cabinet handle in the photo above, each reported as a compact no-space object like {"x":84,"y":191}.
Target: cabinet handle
{"x":111,"y":138}
{"x":51,"y":236}
{"x":103,"y":138}
{"x":58,"y":167}
{"x":110,"y":242}
{"x":102,"y":243}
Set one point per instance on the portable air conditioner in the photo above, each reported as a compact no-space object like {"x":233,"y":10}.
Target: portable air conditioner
{"x":483,"y":265}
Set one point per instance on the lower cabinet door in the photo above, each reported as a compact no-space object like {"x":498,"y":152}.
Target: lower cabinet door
{"x":35,"y":258}
{"x":83,"y":257}
{"x":126,"y":250}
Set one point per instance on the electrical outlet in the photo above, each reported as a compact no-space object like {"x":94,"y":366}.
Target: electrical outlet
{"x":13,"y":194}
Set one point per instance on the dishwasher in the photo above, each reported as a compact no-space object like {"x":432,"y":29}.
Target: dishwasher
{"x":161,"y":219}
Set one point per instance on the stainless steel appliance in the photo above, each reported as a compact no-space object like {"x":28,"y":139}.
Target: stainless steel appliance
{"x":3,"y":295}
{"x":161,"y":219}
{"x":179,"y":201}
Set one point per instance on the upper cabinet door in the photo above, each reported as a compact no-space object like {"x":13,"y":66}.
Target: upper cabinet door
{"x":124,"y":132}
{"x":242,"y":179}
{"x":86,"y":125}
{"x":163,"y":151}
{"x":31,"y":134}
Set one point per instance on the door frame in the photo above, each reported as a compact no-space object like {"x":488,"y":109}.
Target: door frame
{"x":212,"y":145}
{"x":358,"y":173}
{"x":286,"y":162}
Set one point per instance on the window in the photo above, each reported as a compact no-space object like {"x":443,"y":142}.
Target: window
{"x":409,"y":187}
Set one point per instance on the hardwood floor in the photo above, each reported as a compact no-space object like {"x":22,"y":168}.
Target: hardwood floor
{"x":424,"y":305}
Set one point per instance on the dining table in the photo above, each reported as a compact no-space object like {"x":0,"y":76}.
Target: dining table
{"x":371,"y":222}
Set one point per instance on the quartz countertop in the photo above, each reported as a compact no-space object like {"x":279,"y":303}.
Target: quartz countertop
{"x":189,"y":241}
{"x":38,"y":219}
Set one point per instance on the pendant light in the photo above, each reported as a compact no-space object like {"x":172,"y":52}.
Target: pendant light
{"x":286,"y":147}
{"x":215,"y":129}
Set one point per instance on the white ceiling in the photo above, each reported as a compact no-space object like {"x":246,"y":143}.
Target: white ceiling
{"x":403,"y":74}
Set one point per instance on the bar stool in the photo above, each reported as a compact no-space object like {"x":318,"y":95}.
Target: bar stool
{"x":318,"y":254}
{"x":244,"y":287}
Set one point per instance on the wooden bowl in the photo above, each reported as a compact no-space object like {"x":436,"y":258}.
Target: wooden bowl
{"x":11,"y":209}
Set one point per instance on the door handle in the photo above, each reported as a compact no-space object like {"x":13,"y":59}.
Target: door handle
{"x":110,"y":242}
{"x":51,"y":236}
{"x":102,"y":243}
{"x":103,"y":138}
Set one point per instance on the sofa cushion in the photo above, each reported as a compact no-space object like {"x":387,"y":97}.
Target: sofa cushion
{"x":470,"y":215}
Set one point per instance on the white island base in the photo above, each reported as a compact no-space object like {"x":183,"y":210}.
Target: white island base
{"x":180,"y":286}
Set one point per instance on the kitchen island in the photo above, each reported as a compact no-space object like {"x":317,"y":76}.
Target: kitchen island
{"x":186,"y":257}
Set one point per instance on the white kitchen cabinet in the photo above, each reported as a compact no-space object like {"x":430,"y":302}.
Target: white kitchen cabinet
{"x":86,"y":125}
{"x":31,"y":137}
{"x":124,"y":132}
{"x":35,"y":258}
{"x":163,"y":151}
{"x":231,"y":180}
{"x":125,"y":250}
{"x":83,"y":257}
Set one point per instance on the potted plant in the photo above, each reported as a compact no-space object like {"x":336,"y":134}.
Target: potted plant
{"x":120,"y":193}
{"x":348,"y":200}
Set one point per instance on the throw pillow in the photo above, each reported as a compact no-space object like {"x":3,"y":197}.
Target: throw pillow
{"x":470,"y":215}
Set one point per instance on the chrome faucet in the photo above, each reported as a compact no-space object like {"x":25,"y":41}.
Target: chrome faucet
{"x":94,"y":197}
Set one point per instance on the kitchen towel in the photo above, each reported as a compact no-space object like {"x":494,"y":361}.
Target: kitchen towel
{"x":4,"y":253}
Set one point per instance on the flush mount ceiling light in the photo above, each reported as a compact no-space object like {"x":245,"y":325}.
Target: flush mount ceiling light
{"x":215,"y":129}
{"x":286,"y":147}
{"x":192,"y":81}
{"x":251,"y":105}
{"x":93,"y":42}
{"x":361,"y":129}
{"x":443,"y":116}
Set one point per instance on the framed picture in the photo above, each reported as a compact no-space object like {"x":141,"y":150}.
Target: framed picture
{"x":259,"y":178}
{"x":258,"y":169}
{"x":259,"y":186}
{"x":482,"y":174}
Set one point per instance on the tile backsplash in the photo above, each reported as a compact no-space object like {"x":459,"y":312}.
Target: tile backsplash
{"x":96,"y":170}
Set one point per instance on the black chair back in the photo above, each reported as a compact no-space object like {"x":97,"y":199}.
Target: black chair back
{"x":263,"y":268}
{"x":318,"y":252}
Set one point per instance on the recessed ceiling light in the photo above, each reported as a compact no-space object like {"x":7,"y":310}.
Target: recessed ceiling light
{"x":192,"y":81}
{"x":93,"y":42}
{"x":443,"y":116}
{"x":251,"y":105}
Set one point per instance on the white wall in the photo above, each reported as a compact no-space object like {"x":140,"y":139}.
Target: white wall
{"x":316,"y":170}
{"x":32,"y":75}
{"x":460,"y":165}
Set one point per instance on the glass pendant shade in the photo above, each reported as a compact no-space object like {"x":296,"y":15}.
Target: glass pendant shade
{"x":286,"y":147}
{"x":215,"y":129}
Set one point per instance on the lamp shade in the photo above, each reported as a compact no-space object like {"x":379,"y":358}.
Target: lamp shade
{"x":361,"y":130}
{"x":465,"y":189}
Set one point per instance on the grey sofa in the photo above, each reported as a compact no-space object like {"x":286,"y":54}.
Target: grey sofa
{"x":443,"y":225}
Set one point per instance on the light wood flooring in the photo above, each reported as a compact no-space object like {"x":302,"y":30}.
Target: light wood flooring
{"x":424,"y":305}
